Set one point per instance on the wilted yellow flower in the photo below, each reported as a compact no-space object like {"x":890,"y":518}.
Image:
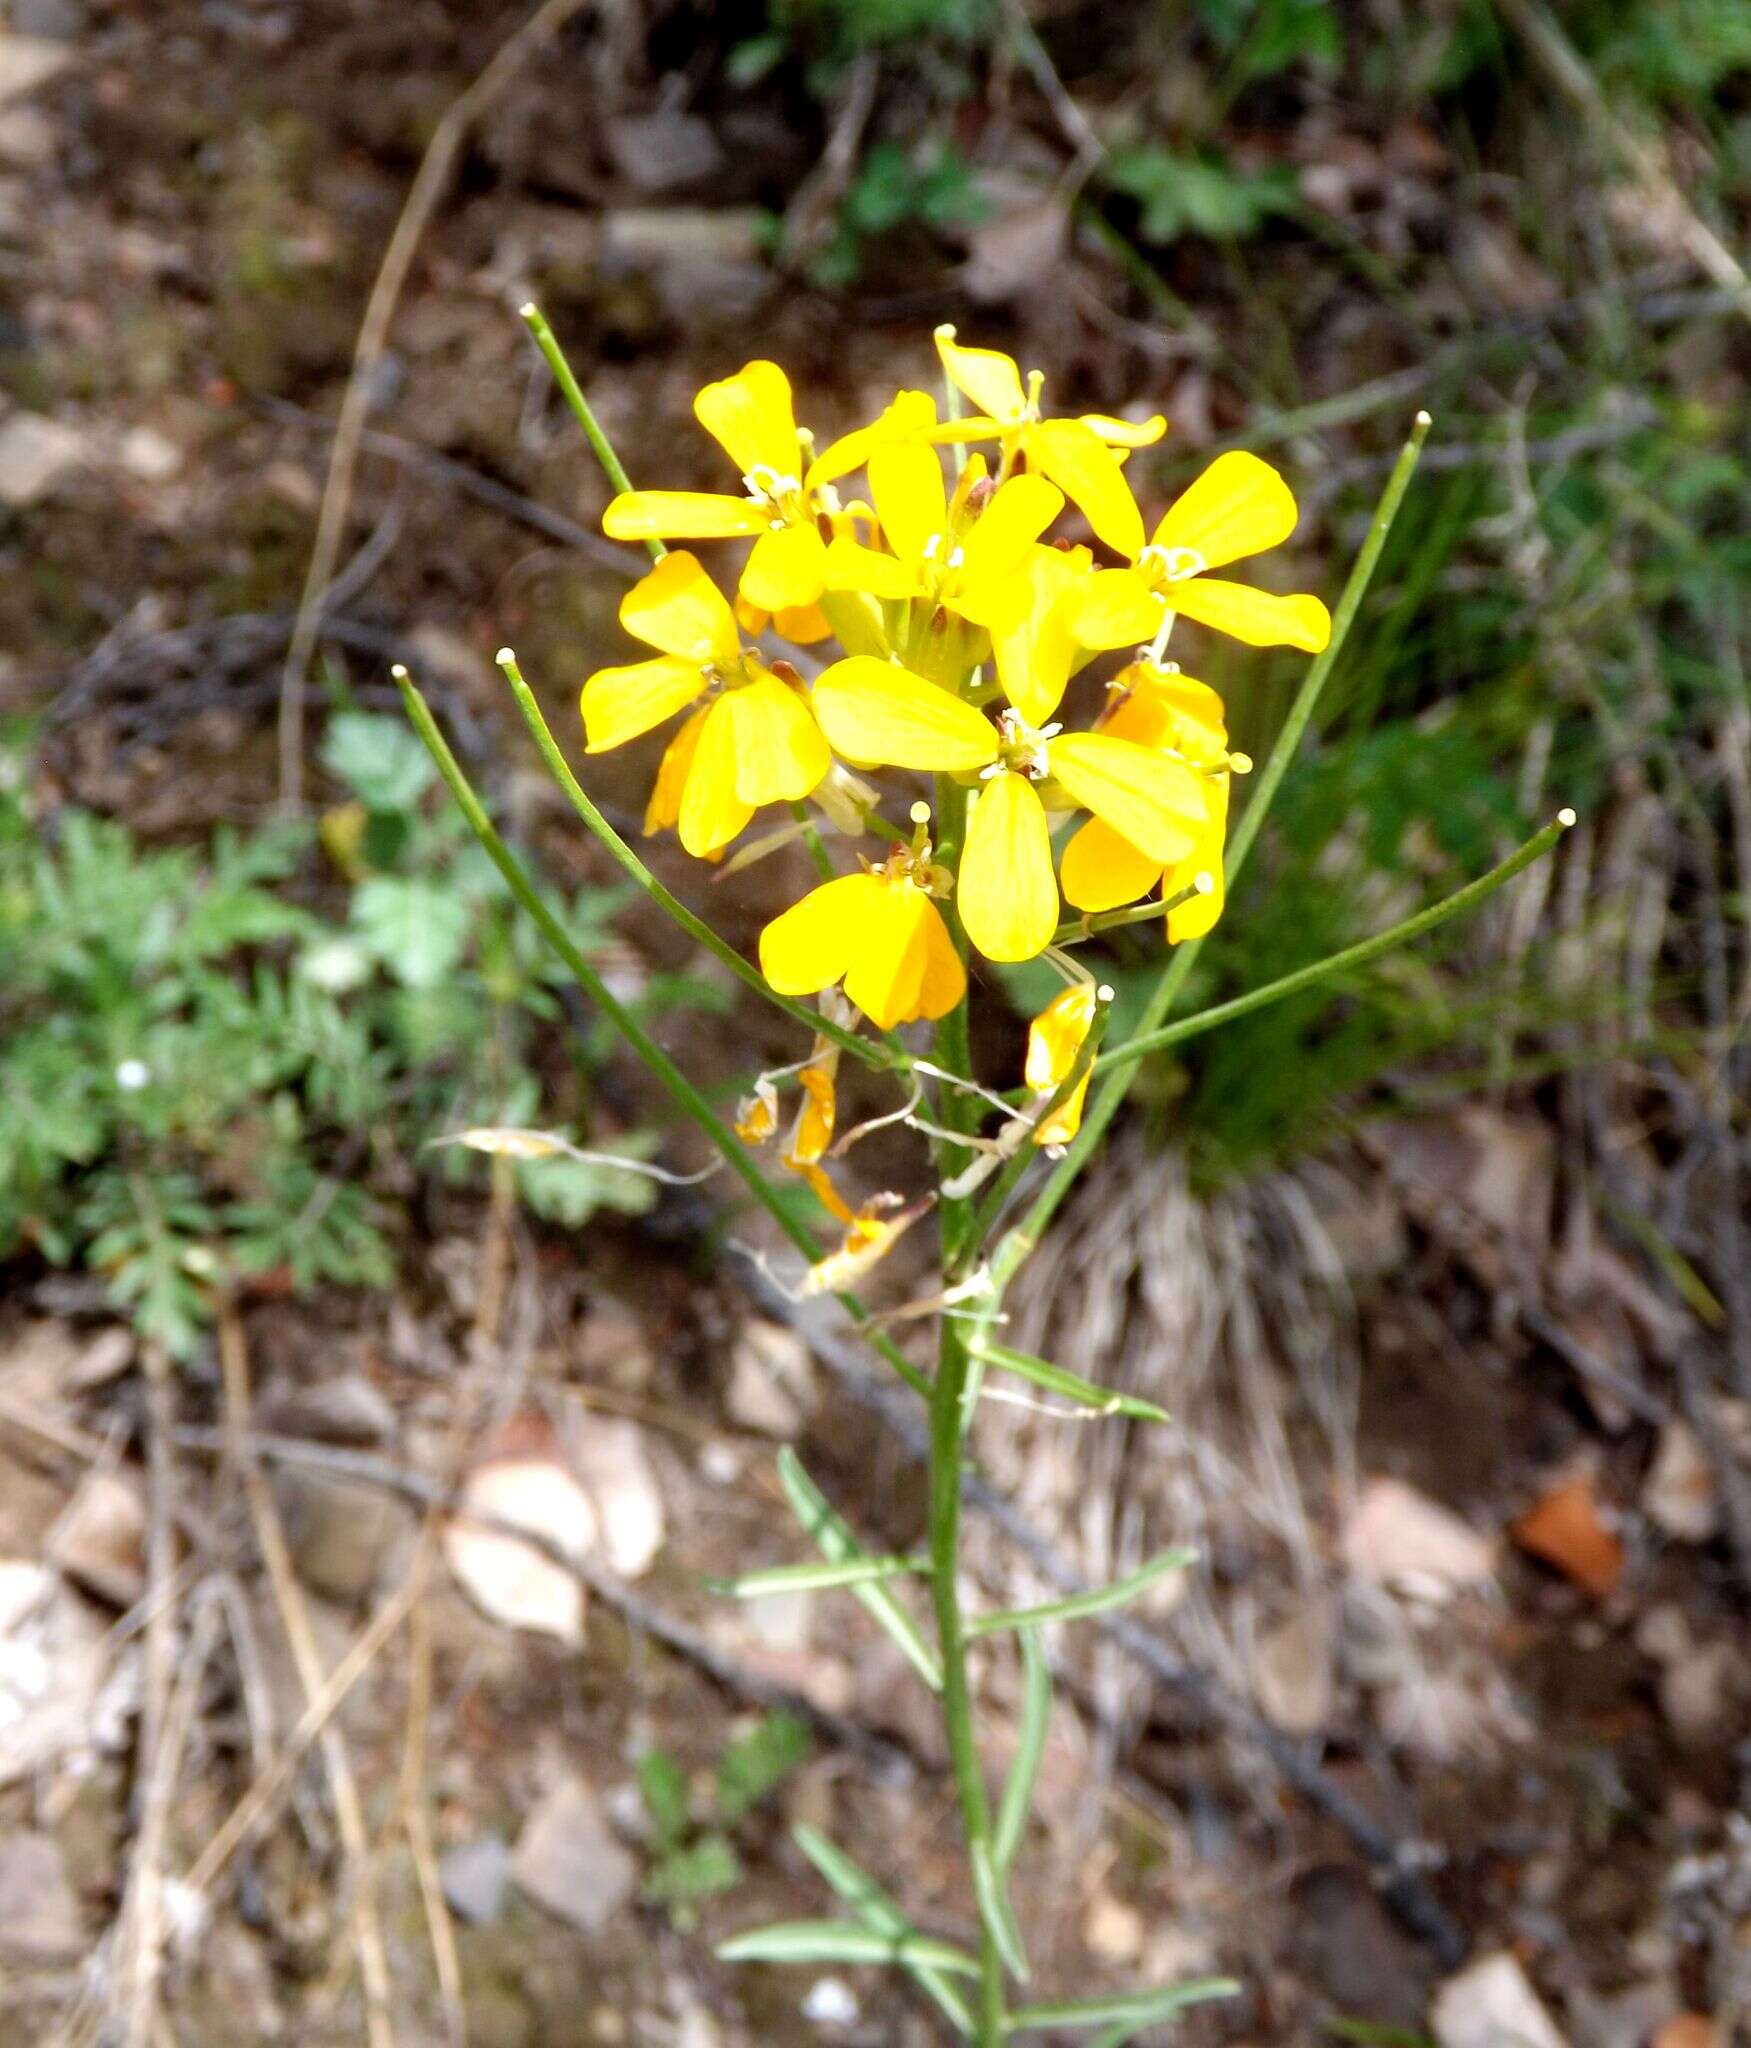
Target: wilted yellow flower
{"x":1054,"y":1039}
{"x":869,"y":1237}
{"x":1077,"y":454}
{"x":754,"y":743}
{"x":1239,"y":506}
{"x":878,"y":713}
{"x":788,"y":508}
{"x":879,"y":933}
{"x":1161,"y":709}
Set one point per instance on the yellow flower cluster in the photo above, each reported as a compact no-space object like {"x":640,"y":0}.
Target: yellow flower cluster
{"x":961,"y":625}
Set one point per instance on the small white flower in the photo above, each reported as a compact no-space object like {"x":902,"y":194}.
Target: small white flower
{"x":132,"y":1076}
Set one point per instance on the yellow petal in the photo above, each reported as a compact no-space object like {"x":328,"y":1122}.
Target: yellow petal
{"x":712,"y":813}
{"x":1239,"y":506}
{"x":818,"y":1112}
{"x":1087,"y":472}
{"x":888,"y":954}
{"x":1055,"y":1036}
{"x":802,"y":624}
{"x":780,"y":751}
{"x":988,"y":377}
{"x":1066,"y":1120}
{"x":620,"y":703}
{"x":678,"y":609}
{"x":908,"y":416}
{"x":665,"y":804}
{"x":1036,"y":651}
{"x":905,"y":480}
{"x":808,"y":948}
{"x":1118,"y":609}
{"x":1158,"y":709}
{"x":1198,"y":915}
{"x":1000,"y":540}
{"x":1007,"y":893}
{"x":787,"y":567}
{"x":945,"y":977}
{"x":1100,"y":870}
{"x":879,"y":715}
{"x":1126,"y":433}
{"x":1259,"y":617}
{"x":1152,"y":800}
{"x":749,"y":415}
{"x":852,"y":566}
{"x":680,"y":515}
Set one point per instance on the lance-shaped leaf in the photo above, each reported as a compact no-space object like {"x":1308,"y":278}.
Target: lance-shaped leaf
{"x":875,"y":1909}
{"x":996,"y":1911}
{"x":833,"y":1537}
{"x":1018,"y":1790}
{"x":843,"y":1941}
{"x":1056,"y":1380}
{"x":810,"y":1578}
{"x":1125,"y":2009}
{"x":1096,"y":1601}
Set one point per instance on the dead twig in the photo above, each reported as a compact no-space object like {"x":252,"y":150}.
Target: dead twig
{"x":143,"y":1915}
{"x":428,"y":185}
{"x":276,"y":1555}
{"x":416,"y":1818}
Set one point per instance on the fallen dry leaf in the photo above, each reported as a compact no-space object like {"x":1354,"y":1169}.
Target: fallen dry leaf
{"x":524,"y":1482}
{"x":1565,"y":1529}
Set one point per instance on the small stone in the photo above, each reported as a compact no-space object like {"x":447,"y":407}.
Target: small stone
{"x":831,"y":2002}
{"x":39,"y":1916}
{"x":568,"y":1861}
{"x":697,"y":2029}
{"x":473,"y":1875}
{"x":24,"y":1588}
{"x":1292,"y":1671}
{"x":1678,"y":1495}
{"x":1400,"y":1538}
{"x":610,"y":1458}
{"x":340,"y":1532}
{"x":1490,"y":2004}
{"x":771,"y":1379}
{"x":29,"y":61}
{"x":100,"y":1540}
{"x":1697,"y":1691}
{"x":662,"y":151}
{"x":613,"y":1347}
{"x":147,"y":454}
{"x":36,"y":453}
{"x":1112,"y":1929}
{"x":27,"y":137}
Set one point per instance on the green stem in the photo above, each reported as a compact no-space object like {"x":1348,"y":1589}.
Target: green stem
{"x":947,"y":1426}
{"x":600,"y":446}
{"x":960,"y":1110}
{"x":1357,"y":955}
{"x":681,"y":1091}
{"x":664,"y":898}
{"x":1021,"y":1240}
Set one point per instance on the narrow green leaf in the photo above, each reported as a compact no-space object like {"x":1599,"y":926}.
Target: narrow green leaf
{"x":1056,"y":1380}
{"x":878,"y":1911}
{"x":808,"y":1578}
{"x":843,"y":1941}
{"x":1018,"y":1790}
{"x":1128,"y":2009}
{"x":832,"y":1536}
{"x":996,"y":1911}
{"x":1096,"y":1601}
